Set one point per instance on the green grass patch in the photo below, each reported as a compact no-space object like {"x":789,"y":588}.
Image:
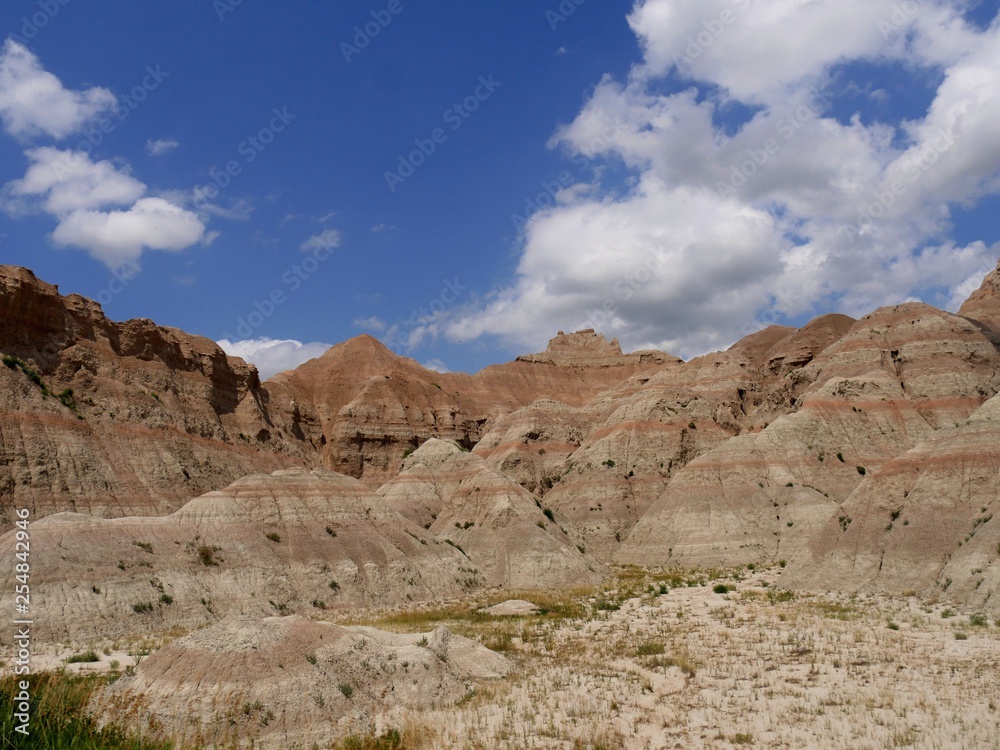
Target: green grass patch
{"x":58,"y":719}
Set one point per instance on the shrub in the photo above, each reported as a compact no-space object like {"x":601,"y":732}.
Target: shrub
{"x":166,"y":599}
{"x":142,"y":607}
{"x":207,"y":555}
{"x":609,"y":463}
{"x":961,"y":637}
{"x":720,"y":588}
{"x":549,"y":514}
{"x":840,"y":457}
{"x":274,"y":536}
{"x":861,"y":470}
{"x":145,"y":546}
{"x":892,"y":625}
{"x":978,"y":620}
{"x":86,"y":657}
{"x":346,"y":689}
{"x":650,"y":648}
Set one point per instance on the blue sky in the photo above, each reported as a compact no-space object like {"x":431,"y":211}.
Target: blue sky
{"x":701,"y":168}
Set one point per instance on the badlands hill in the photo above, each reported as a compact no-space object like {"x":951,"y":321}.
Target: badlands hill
{"x":862,"y":452}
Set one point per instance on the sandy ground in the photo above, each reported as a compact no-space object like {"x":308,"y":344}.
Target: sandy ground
{"x":650,"y":662}
{"x":695,"y":669}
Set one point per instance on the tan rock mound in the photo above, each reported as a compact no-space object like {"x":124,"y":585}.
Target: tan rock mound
{"x":506,"y":533}
{"x":588,"y":348}
{"x":291,"y":542}
{"x":924,"y":522}
{"x":983,"y":306}
{"x":900,"y":374}
{"x":312,"y":682}
{"x":512,"y":608}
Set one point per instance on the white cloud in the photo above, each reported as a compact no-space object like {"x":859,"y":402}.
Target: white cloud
{"x":272,"y":356}
{"x":66,"y":181}
{"x":34,"y":102}
{"x":160,"y":146}
{"x":116,"y":237}
{"x":84,"y":195}
{"x":437,"y":365}
{"x":327,"y":240}
{"x":373,"y":323}
{"x":717,"y":231}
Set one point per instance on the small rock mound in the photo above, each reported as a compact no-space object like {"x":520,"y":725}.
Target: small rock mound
{"x":311,"y":681}
{"x":512,"y":608}
{"x":588,"y":348}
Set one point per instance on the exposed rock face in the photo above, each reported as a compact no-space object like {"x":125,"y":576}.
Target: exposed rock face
{"x":590,"y":349}
{"x":748,"y":455}
{"x":367,"y":406}
{"x":311,"y":681}
{"x":983,"y":306}
{"x":899,"y":375}
{"x":924,"y":522}
{"x":292,"y":541}
{"x":120,"y":417}
{"x":497,"y":523}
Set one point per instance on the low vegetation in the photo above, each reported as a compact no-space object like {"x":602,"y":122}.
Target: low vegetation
{"x":58,"y":719}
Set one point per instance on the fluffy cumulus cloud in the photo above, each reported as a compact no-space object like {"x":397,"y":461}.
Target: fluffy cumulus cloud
{"x":98,"y":205}
{"x":33,"y":101}
{"x":117,"y":237}
{"x":272,"y":356}
{"x":754,"y":194}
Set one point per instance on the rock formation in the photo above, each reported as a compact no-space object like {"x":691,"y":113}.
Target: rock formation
{"x":513,"y":540}
{"x":366,"y":407}
{"x":290,"y":542}
{"x":114,"y":418}
{"x":983,"y":306}
{"x":311,"y":681}
{"x":897,"y":377}
{"x":924,"y":522}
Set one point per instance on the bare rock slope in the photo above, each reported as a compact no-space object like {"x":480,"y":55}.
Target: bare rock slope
{"x":291,"y":542}
{"x":502,"y":528}
{"x":311,"y":681}
{"x":114,"y":418}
